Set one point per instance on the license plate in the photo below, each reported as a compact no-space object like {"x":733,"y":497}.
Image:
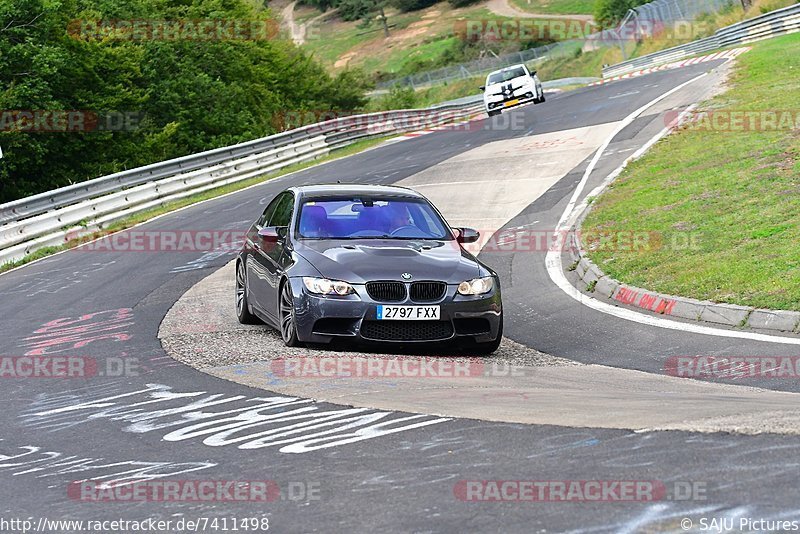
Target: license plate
{"x":512,"y":102}
{"x":408,"y":313}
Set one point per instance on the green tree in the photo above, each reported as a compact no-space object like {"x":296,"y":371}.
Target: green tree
{"x":192,"y":95}
{"x":608,"y":13}
{"x":412,"y":5}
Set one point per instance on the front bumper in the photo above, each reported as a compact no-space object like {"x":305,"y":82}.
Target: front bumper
{"x":515,"y":101}
{"x":322,"y":319}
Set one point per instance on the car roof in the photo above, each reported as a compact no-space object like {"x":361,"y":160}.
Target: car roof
{"x":353,"y":189}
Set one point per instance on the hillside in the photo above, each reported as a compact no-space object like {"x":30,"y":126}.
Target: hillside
{"x":418,"y":40}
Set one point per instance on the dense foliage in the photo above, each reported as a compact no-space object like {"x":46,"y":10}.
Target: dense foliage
{"x":607,"y":13}
{"x":186,"y":95}
{"x":462,"y":3}
{"x":361,"y":9}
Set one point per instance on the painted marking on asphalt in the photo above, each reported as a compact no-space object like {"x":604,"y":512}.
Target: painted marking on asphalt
{"x":572,"y":212}
{"x":71,"y":333}
{"x":629,"y":93}
{"x":41,"y":463}
{"x":294,"y":424}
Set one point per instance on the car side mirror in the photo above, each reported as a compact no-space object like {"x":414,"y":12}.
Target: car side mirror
{"x":533,"y":73}
{"x":269,"y":234}
{"x":483,"y":88}
{"x":467,"y":235}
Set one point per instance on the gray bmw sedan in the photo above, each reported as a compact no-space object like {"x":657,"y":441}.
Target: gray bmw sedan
{"x":368,"y":263}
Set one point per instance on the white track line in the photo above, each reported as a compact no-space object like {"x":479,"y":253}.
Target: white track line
{"x":571,"y":213}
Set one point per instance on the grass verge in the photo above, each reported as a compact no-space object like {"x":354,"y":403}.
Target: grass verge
{"x":724,"y":201}
{"x":167,"y":207}
{"x":556,"y":7}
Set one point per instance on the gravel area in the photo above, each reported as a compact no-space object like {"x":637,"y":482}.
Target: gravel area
{"x":201,"y":331}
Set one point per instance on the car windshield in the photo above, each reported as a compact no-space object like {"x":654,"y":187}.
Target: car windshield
{"x":370,"y":217}
{"x":505,"y":75}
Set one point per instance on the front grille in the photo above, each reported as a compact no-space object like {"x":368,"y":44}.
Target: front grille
{"x":386,"y":291}
{"x":406,"y":330}
{"x":427,"y":291}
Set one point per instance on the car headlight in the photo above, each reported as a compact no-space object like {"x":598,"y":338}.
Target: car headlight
{"x":323,"y":286}
{"x":476,"y":286}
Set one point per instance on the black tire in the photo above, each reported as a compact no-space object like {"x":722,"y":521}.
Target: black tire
{"x":493,"y":113}
{"x":541,"y":100}
{"x":491,"y":346}
{"x":286,"y":316}
{"x":242,"y":307}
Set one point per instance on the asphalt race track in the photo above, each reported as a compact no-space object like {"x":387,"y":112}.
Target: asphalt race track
{"x":375,"y":468}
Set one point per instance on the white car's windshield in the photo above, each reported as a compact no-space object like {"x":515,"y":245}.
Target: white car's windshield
{"x":505,"y":75}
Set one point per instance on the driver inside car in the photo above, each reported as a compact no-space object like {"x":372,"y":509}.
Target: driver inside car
{"x":398,"y":217}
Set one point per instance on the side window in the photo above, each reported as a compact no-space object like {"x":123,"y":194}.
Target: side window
{"x":262,"y":221}
{"x":283,"y":211}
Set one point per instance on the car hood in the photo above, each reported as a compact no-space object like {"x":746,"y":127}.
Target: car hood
{"x":359,"y":261}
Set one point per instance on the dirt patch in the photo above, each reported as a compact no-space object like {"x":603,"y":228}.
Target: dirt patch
{"x":345,"y":59}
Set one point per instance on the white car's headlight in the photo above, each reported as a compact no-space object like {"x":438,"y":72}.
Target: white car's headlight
{"x":476,"y":286}
{"x":323,"y":286}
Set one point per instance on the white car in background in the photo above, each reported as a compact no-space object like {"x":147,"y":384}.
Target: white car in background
{"x":510,"y":87}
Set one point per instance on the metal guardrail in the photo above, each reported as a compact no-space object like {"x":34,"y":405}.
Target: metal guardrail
{"x":778,"y":22}
{"x":52,"y":218}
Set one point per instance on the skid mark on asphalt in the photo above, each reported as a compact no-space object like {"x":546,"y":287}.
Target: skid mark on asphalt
{"x":55,"y":280}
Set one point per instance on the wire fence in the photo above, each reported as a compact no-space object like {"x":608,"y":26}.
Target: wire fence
{"x":674,"y":20}
{"x":485,"y":65}
{"x":638,"y":23}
